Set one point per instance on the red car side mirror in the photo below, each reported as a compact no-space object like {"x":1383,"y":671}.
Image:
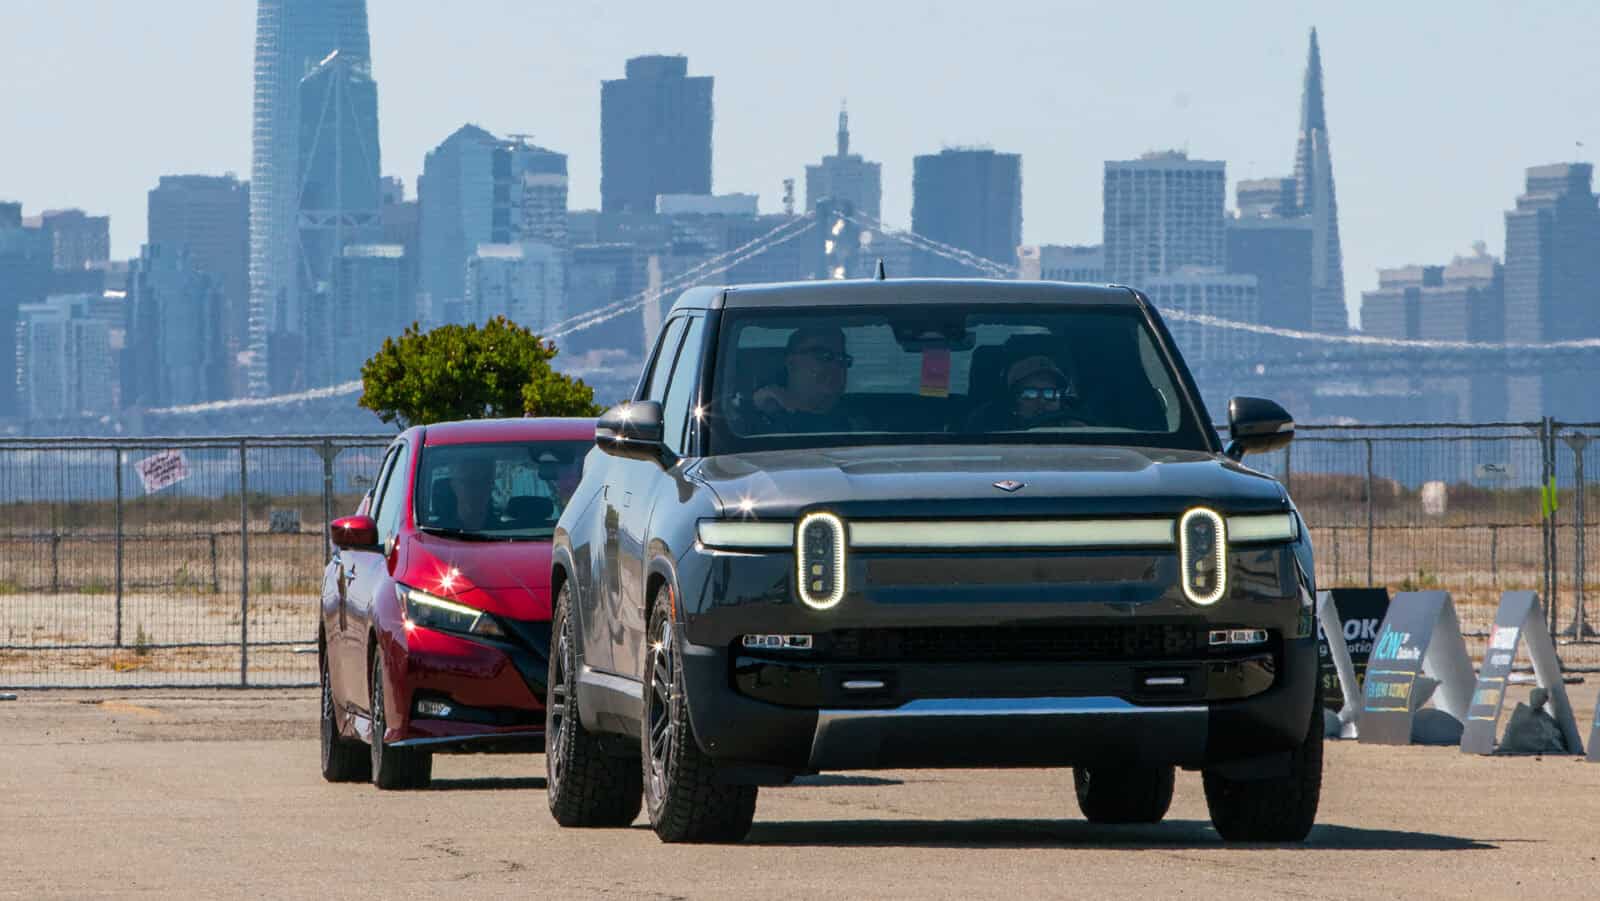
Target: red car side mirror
{"x":355,"y":533}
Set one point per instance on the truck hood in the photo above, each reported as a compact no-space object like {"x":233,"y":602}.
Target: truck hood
{"x":940,"y":481}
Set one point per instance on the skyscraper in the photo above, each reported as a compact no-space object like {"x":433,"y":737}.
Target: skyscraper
{"x":1163,"y":211}
{"x":339,"y":204}
{"x":208,"y":218}
{"x":971,"y":199}
{"x":377,"y":300}
{"x":480,"y":189}
{"x":522,"y":282}
{"x":846,"y":178}
{"x":655,"y":134}
{"x":292,"y":37}
{"x":1313,"y":176}
{"x":175,"y":353}
{"x":1552,"y":269}
{"x":25,"y":268}
{"x":65,"y":366}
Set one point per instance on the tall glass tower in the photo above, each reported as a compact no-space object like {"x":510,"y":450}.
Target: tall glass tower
{"x":292,"y":37}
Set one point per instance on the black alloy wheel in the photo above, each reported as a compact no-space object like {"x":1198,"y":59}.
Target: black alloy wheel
{"x":586,"y":784}
{"x":343,"y":760}
{"x":393,"y":768}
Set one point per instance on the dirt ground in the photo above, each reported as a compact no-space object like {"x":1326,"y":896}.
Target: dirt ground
{"x":217,"y":794}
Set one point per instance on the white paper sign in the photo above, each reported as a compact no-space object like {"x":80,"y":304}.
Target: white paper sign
{"x":162,"y":470}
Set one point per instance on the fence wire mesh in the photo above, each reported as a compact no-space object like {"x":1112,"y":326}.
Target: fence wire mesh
{"x":110,"y":580}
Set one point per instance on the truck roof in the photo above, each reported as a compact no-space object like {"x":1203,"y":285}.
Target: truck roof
{"x":902,"y":292}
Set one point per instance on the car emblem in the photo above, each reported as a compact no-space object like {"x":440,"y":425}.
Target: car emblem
{"x":1009,"y":485}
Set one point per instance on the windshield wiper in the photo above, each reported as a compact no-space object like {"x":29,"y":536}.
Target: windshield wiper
{"x":462,"y":534}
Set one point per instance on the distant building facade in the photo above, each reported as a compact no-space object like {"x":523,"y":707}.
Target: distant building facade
{"x":1207,"y":291}
{"x":77,"y":240}
{"x":26,"y":263}
{"x":377,"y":300}
{"x":970,"y":199}
{"x":1551,"y":278}
{"x":1277,"y":251}
{"x":846,"y":177}
{"x":208,"y":217}
{"x":65,"y":363}
{"x":480,"y":189}
{"x":655,"y":134}
{"x":1461,"y":301}
{"x":523,"y":282}
{"x":174,"y":353}
{"x":1163,"y":212}
{"x":1314,"y":195}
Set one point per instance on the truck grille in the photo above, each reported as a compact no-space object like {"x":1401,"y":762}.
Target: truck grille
{"x":1017,"y":644}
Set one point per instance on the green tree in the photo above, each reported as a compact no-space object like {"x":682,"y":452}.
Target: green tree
{"x":468,"y":372}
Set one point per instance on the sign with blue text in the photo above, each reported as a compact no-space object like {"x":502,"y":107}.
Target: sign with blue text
{"x":1420,"y":636}
{"x":1347,"y":626}
{"x":1520,"y":619}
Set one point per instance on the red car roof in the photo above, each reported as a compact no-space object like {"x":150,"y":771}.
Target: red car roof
{"x":480,"y":431}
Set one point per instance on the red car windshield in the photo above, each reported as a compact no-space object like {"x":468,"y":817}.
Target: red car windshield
{"x":502,"y":491}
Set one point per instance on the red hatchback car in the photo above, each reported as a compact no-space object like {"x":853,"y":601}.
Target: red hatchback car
{"x":435,"y":627}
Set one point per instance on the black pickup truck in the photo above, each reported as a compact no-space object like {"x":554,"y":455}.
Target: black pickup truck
{"x":929,"y":523}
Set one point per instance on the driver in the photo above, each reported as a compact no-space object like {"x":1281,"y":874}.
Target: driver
{"x":472,"y":481}
{"x":815,"y":366}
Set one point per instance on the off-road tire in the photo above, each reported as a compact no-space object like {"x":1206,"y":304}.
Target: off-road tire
{"x":393,"y":768}
{"x":1123,"y":794}
{"x":680,"y":789}
{"x":343,"y":759}
{"x":1271,"y":810}
{"x":586,"y":785}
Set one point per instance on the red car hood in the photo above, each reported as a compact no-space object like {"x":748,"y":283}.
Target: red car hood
{"x":510,"y":578}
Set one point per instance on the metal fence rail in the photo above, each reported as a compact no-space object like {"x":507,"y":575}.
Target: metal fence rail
{"x":214,"y":579}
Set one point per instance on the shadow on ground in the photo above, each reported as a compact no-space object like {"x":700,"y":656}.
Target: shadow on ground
{"x":1058,"y":833}
{"x":490,"y":784}
{"x":831,"y":780}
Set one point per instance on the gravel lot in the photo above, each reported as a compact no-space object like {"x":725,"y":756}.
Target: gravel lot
{"x":217,"y":794}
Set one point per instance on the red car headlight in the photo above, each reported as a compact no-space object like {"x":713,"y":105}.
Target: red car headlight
{"x":433,"y":612}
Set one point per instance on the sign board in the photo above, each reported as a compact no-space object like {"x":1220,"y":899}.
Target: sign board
{"x":162,"y":470}
{"x":1420,"y":636}
{"x":284,"y":522}
{"x":1492,"y":471}
{"x":1358,"y":612}
{"x":1519,"y":619}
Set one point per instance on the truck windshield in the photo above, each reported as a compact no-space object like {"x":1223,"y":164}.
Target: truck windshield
{"x":985,"y":373}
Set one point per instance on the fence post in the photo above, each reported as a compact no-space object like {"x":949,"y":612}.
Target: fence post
{"x":1580,"y":627}
{"x":1494,"y":556}
{"x":116,"y":456}
{"x":328,"y":452}
{"x":1547,"y":433}
{"x":55,"y":562}
{"x":1370,"y":518}
{"x":244,"y":565}
{"x":216,"y":579}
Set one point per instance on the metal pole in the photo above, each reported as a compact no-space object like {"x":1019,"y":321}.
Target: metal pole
{"x":1494,"y":556}
{"x":1579,"y":628}
{"x":55,"y":562}
{"x":216,"y":579}
{"x":328,"y":452}
{"x":116,"y":453}
{"x":1288,"y":471}
{"x":1370,"y":517}
{"x":1548,"y":441}
{"x":244,"y":566}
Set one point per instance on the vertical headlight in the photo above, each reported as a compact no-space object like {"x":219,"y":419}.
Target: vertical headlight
{"x":819,"y":558}
{"x":1203,"y":550}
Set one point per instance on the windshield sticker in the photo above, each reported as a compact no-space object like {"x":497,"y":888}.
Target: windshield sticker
{"x":936,"y":372}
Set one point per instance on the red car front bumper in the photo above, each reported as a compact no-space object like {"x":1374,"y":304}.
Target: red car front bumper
{"x":457,"y":694}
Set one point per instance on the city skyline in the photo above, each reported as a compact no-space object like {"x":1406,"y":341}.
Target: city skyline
{"x":1238,"y":109}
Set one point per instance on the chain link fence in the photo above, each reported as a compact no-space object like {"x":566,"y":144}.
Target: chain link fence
{"x":198,"y":562}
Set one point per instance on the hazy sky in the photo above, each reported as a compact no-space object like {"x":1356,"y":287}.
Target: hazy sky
{"x":1434,"y":108}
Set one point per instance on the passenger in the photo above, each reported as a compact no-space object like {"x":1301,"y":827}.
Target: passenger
{"x":1039,"y":394}
{"x":815,"y":366}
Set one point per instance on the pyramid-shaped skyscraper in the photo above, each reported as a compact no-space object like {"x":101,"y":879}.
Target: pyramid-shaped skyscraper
{"x":1313,"y":176}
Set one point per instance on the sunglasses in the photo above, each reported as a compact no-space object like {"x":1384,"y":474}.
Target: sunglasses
{"x":824,"y":355}
{"x":1031,"y":393}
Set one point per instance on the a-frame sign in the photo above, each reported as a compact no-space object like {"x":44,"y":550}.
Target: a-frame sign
{"x":1520,"y":619}
{"x":1420,"y":636}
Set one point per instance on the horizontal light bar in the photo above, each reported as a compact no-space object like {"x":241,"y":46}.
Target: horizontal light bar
{"x":778,"y":536}
{"x":1262,"y":528}
{"x":1014,"y":533}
